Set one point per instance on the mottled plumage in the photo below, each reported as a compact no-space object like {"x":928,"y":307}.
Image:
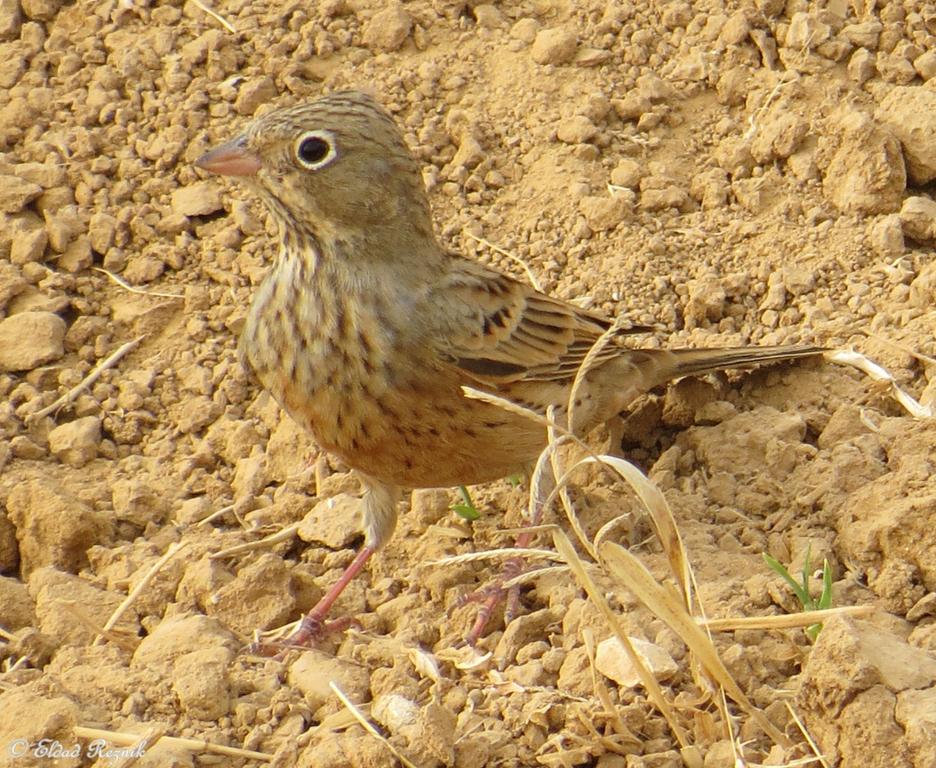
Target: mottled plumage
{"x":366,"y":329}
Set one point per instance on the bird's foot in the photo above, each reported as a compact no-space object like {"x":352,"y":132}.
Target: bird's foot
{"x":488,"y":597}
{"x":311,"y":630}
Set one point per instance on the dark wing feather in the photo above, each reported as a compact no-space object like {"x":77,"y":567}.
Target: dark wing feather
{"x":499,"y":330}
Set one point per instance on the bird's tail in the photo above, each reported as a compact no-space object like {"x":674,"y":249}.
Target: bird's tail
{"x":676,"y":363}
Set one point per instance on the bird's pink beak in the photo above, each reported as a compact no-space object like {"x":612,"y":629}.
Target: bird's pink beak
{"x":230,"y":159}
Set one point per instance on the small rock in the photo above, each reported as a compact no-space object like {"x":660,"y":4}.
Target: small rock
{"x":778,"y":137}
{"x":864,"y":34}
{"x":577,"y":129}
{"x":604,"y":213}
{"x":53,"y":527}
{"x":10,"y":19}
{"x":199,"y":199}
{"x":260,"y":596}
{"x":631,"y":107}
{"x":907,"y":111}
{"x":16,"y":193}
{"x":253,"y":93}
{"x":488,"y":16}
{"x":862,"y":66}
{"x":334,"y":522}
{"x":201,"y":682}
{"x":313,"y":670}
{"x":388,"y":29}
{"x":178,"y":635}
{"x":736,"y":28}
{"x":918,"y":218}
{"x":76,"y":443}
{"x":554,"y":46}
{"x":866,"y":173}
{"x":614,"y":663}
{"x":102,"y":229}
{"x":806,"y":31}
{"x":627,"y":173}
{"x":77,"y":257}
{"x":29,"y":246}
{"x":42,"y":10}
{"x":707,"y":302}
{"x":30,"y":339}
{"x":925,"y":65}
{"x":525,"y":30}
{"x":923,"y":288}
{"x":887,"y":237}
{"x":19,"y":610}
{"x":654,"y":87}
{"x":12,"y":283}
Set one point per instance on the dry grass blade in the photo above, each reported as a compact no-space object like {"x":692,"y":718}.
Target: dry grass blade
{"x":876,"y":372}
{"x":132,"y":289}
{"x":568,"y":553}
{"x":196,"y":746}
{"x":88,"y":380}
{"x":787,"y":621}
{"x":497,"y":249}
{"x":660,"y":514}
{"x":136,"y":591}
{"x":216,"y":16}
{"x":268,"y":541}
{"x":492,"y":554}
{"x":359,"y":716}
{"x":630,"y":572}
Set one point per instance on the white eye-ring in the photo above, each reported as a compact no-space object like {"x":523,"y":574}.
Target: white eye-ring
{"x":315,"y":149}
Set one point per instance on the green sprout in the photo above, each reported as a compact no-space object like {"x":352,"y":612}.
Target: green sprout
{"x":801,"y":590}
{"x":466,"y":508}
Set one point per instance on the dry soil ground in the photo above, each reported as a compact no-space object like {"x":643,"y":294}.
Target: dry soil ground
{"x":736,"y":172}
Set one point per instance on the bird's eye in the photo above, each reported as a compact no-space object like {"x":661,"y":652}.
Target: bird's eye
{"x":315,"y":149}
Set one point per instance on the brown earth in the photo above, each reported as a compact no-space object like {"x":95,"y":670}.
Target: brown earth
{"x":734,"y":172}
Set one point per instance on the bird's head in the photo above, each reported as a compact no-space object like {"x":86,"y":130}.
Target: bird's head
{"x":337,"y":169}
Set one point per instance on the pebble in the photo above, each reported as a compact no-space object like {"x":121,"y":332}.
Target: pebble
{"x":311,"y":673}
{"x":627,"y":173}
{"x":334,"y":522}
{"x":918,"y":218}
{"x":577,"y":129}
{"x":53,"y":527}
{"x":77,"y":442}
{"x":10,"y":19}
{"x":887,"y":236}
{"x":253,"y":93}
{"x":388,"y":29}
{"x":605,"y":213}
{"x":866,"y":173}
{"x":30,"y":339}
{"x":16,"y":193}
{"x":554,"y":46}
{"x":908,"y":111}
{"x":861,"y":66}
{"x":525,"y":30}
{"x":199,"y":199}
{"x":28,"y":245}
{"x":614,"y":663}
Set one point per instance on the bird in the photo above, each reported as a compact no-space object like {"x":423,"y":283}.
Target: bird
{"x":366,"y":330}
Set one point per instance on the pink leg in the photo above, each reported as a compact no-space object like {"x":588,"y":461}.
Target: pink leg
{"x":491,"y":596}
{"x":313,"y":624}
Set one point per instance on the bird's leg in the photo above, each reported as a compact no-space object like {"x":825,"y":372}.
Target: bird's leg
{"x":378,"y":519}
{"x":513,"y":567}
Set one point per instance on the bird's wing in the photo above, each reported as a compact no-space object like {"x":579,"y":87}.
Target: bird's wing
{"x":498,"y":330}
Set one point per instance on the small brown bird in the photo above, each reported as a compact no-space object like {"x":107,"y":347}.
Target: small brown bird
{"x":366,"y":329}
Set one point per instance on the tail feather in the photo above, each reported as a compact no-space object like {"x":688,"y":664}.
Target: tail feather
{"x":676,"y":363}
